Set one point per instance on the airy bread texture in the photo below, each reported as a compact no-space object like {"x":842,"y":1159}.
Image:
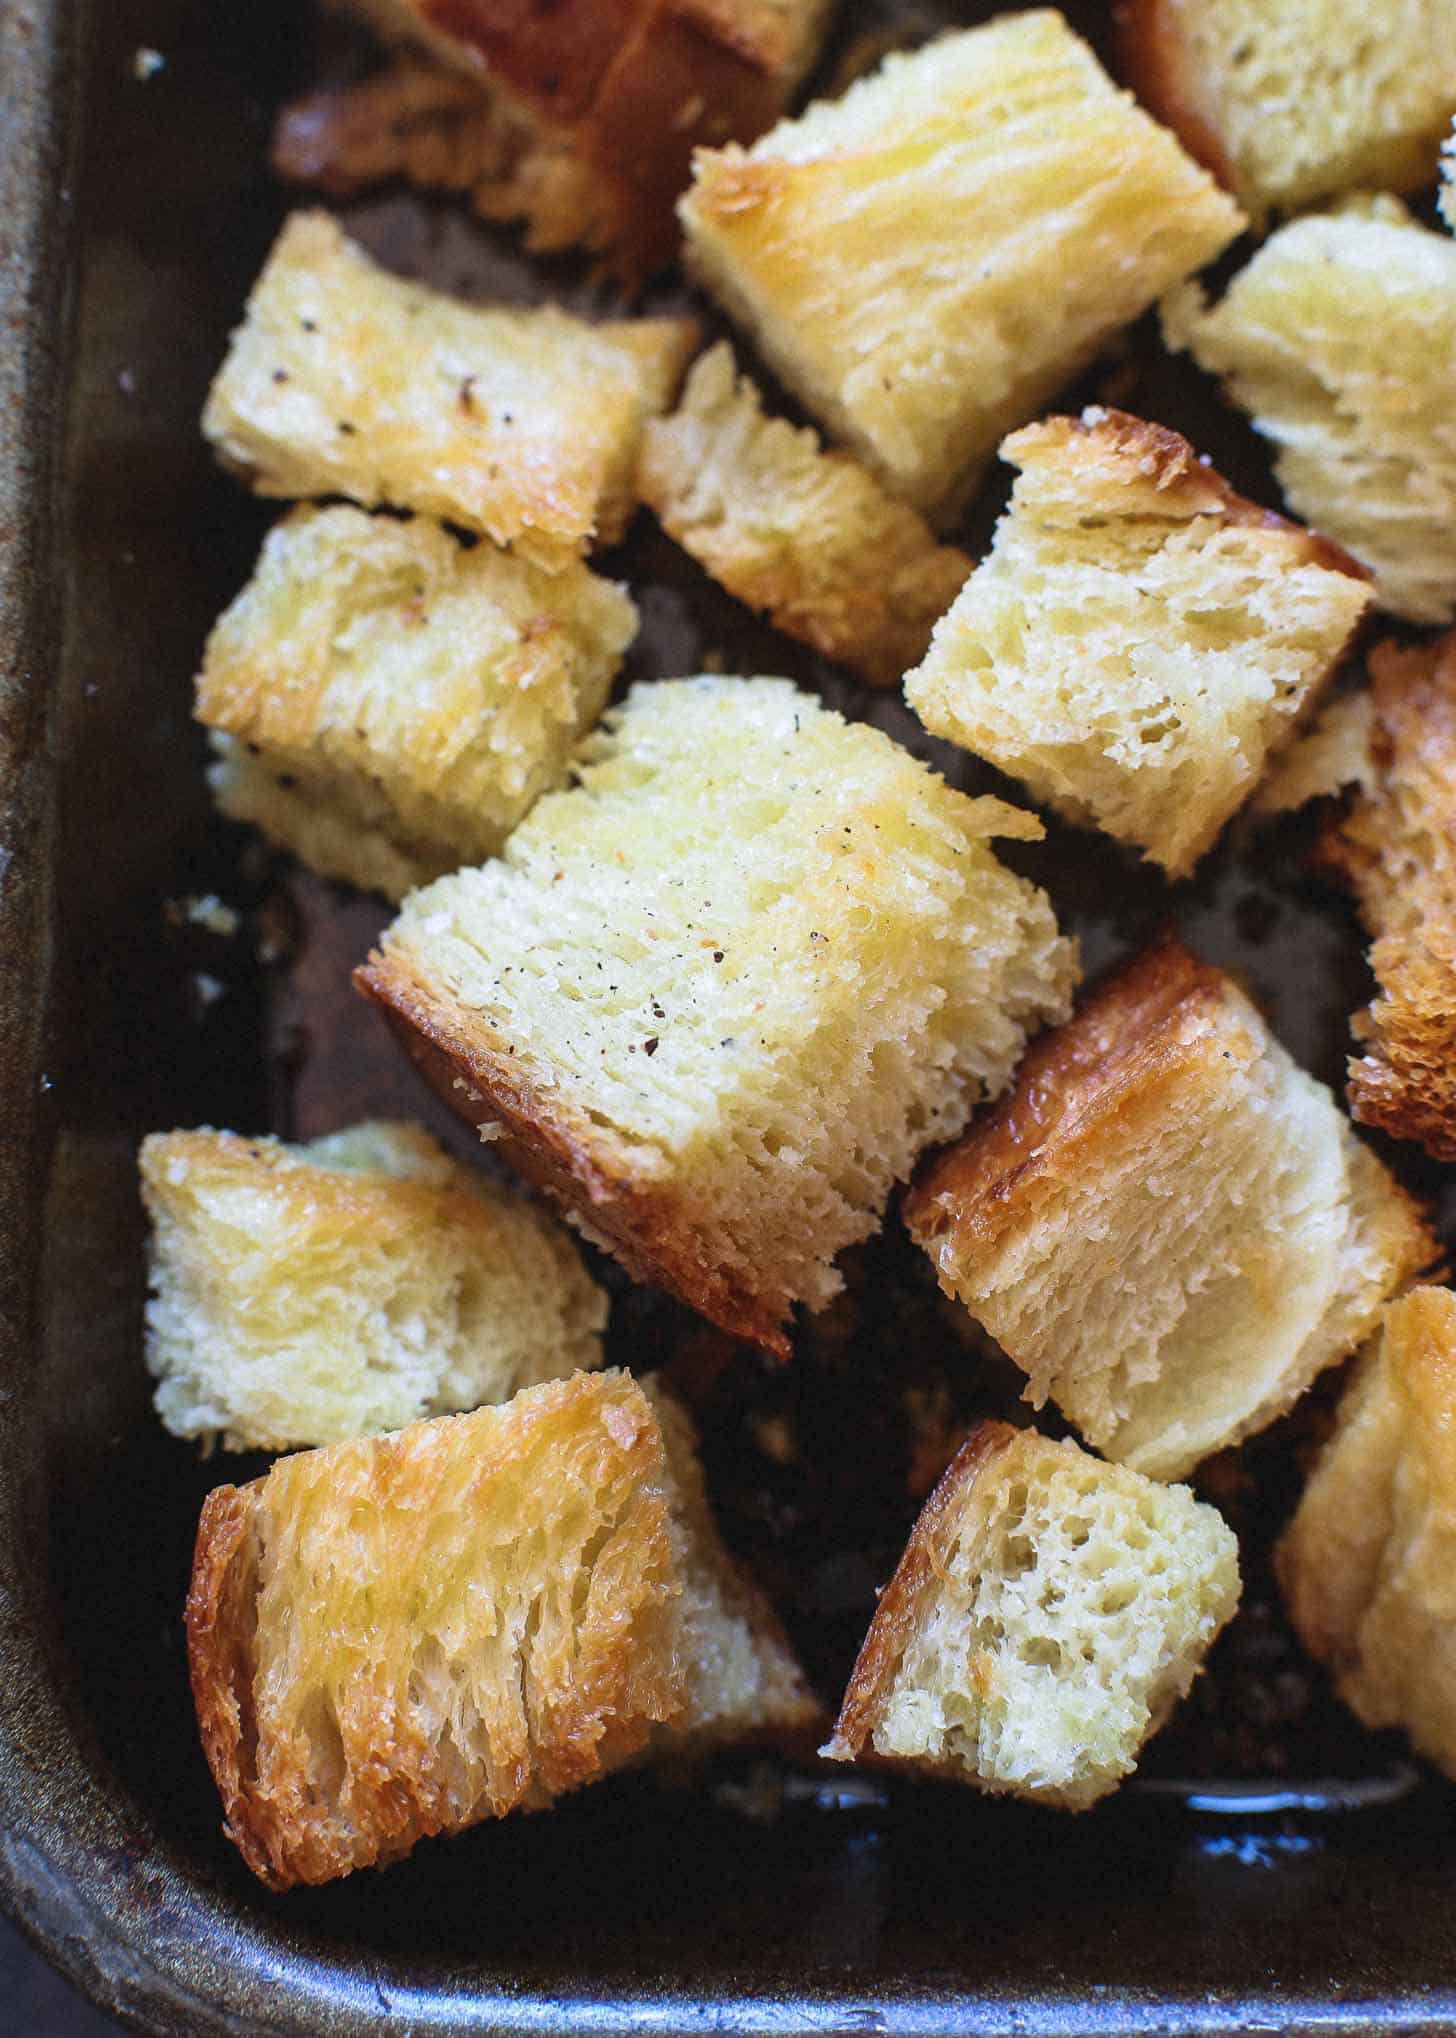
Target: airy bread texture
{"x":1339,"y":340}
{"x":308,"y":1294}
{"x":346,"y":380}
{"x":1293,"y":103}
{"x":1139,"y":639}
{"x":718,"y":996}
{"x":1368,"y":1564}
{"x":1167,"y":1225}
{"x":1396,"y":847}
{"x":926,"y":260}
{"x":806,"y":536}
{"x":400,"y":1637}
{"x":388,"y":703}
{"x":579,"y":119}
{"x":1046,"y":1617}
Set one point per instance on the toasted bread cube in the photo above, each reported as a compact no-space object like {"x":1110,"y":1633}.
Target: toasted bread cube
{"x":579,"y":119}
{"x":1139,"y":639}
{"x":1048,"y":1614}
{"x":718,"y":996}
{"x":345,"y":380}
{"x":1339,"y":340}
{"x":926,"y":260}
{"x":308,"y":1294}
{"x":1396,"y":847}
{"x":1368,"y":1563}
{"x":388,"y":703}
{"x":1167,"y":1225}
{"x":1302,"y":101}
{"x":402,"y":1636}
{"x":807,"y":537}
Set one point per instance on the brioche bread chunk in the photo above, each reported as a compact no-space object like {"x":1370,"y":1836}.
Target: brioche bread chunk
{"x":719,"y":995}
{"x":398,"y":1637}
{"x":1368,"y":1564}
{"x":1396,"y":847}
{"x":308,"y":1294}
{"x":388,"y":703}
{"x":525,"y":425}
{"x":1339,"y":340}
{"x":1167,"y":1225}
{"x":1139,"y":639}
{"x":579,"y":119}
{"x":926,"y":260}
{"x":1047,"y":1615}
{"x":1294,"y":103}
{"x":805,"y":536}
{"x":1332,"y":753}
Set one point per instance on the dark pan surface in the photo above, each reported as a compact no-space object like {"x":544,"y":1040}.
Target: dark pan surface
{"x":1235,"y":1886}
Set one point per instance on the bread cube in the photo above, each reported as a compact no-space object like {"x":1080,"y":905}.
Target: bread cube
{"x":1139,"y":639}
{"x":1368,"y":1564}
{"x":719,"y":995}
{"x":308,"y":1294}
{"x":388,"y":703}
{"x":1048,"y":1614}
{"x":579,"y":119}
{"x":1339,"y":340}
{"x":1167,"y":1225}
{"x":1299,"y":102}
{"x":807,"y":537}
{"x":345,"y":380}
{"x":405,"y":1635}
{"x":928,"y":259}
{"x":1396,"y":847}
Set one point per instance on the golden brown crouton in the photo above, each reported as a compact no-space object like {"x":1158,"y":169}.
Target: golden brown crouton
{"x":345,"y":380}
{"x":1396,"y":847}
{"x":1140,"y":638}
{"x":1047,"y":1615}
{"x":309,"y":1294}
{"x":1167,"y":1225}
{"x":926,"y":260}
{"x":808,"y":537}
{"x":721,"y":993}
{"x":1339,"y":340}
{"x":579,"y":119}
{"x":1296,"y":102}
{"x":401,"y":1637}
{"x":388,"y":703}
{"x":1368,"y":1564}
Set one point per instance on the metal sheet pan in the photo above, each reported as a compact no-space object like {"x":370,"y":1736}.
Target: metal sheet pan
{"x":1234,"y":1888}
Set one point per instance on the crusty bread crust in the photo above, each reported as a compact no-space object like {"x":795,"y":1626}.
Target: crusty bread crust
{"x":899,"y":1604}
{"x":1118,"y":1060}
{"x":353,"y":1758}
{"x":1153,"y":59}
{"x":1397,"y":849}
{"x":644,"y":1224}
{"x":571,"y":117}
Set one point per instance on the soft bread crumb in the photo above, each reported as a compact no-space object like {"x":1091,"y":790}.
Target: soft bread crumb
{"x":1047,"y":1615}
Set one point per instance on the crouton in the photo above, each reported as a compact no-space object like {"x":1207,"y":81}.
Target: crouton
{"x":388,"y":703}
{"x":345,"y":380}
{"x":1167,"y":1225}
{"x":308,"y":1294}
{"x":807,"y":537}
{"x":1296,"y":103}
{"x":720,"y":994}
{"x":1396,"y":847}
{"x":1046,"y":1617}
{"x":1140,"y":637}
{"x":578,"y":119}
{"x":1332,"y":753}
{"x":1368,"y":1562}
{"x":926,"y":260}
{"x":1339,"y":340}
{"x":402,"y":1636}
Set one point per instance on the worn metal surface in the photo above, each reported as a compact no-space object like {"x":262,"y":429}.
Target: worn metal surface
{"x":785,"y":1907}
